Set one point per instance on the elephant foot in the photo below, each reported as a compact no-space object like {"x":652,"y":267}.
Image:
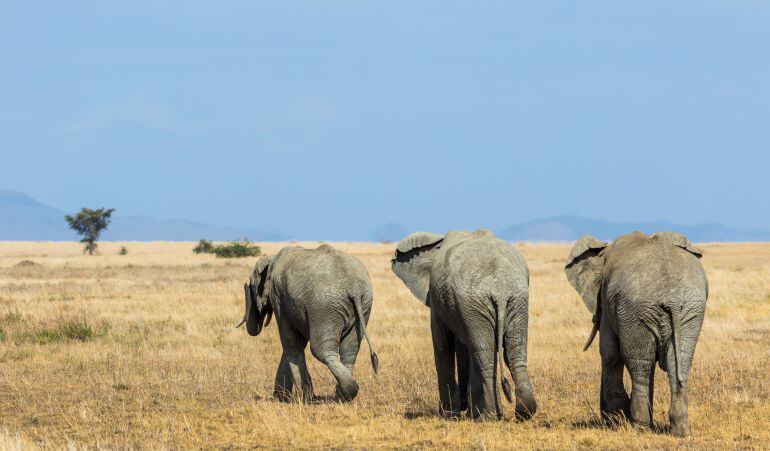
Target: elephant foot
{"x":616,"y":410}
{"x":680,"y":428}
{"x":459,"y":403}
{"x":282,"y":394}
{"x":486,"y":415}
{"x":526,"y":406}
{"x":449,"y":413}
{"x":346,"y":391}
{"x":641,"y":427}
{"x":454,"y":409}
{"x":308,"y":397}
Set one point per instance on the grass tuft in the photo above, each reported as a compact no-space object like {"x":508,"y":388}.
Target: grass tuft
{"x":74,"y":330}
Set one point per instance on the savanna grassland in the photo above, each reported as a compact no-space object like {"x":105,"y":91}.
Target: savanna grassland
{"x":140,"y":351}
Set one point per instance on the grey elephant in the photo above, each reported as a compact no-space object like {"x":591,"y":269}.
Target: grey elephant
{"x":477,"y":288}
{"x":319,"y":295}
{"x":648,"y":297}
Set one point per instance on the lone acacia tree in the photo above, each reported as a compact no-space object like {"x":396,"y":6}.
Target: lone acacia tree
{"x":89,"y":224}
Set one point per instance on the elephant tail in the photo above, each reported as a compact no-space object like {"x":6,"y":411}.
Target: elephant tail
{"x":500,"y":326}
{"x":675,"y":313}
{"x":362,"y":321}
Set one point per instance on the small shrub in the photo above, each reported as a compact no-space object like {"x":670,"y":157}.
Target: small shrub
{"x":77,"y":330}
{"x":123,"y":250}
{"x":203,"y":247}
{"x":237,"y":249}
{"x":45,"y":336}
{"x":233,"y":249}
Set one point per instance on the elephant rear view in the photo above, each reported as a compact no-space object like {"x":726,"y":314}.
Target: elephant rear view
{"x":322,"y":296}
{"x":648,"y":296}
{"x":477,"y":288}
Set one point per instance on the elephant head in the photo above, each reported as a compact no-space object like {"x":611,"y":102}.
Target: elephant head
{"x":414,"y":259}
{"x":585,"y":266}
{"x":257,"y":292}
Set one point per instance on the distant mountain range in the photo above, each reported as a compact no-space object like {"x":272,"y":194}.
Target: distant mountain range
{"x":570,"y":228}
{"x":388,"y":233}
{"x":23,"y":218}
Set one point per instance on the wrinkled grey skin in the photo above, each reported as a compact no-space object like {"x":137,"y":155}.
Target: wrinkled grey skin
{"x":648,"y":296}
{"x":477,"y":287}
{"x":319,"y":295}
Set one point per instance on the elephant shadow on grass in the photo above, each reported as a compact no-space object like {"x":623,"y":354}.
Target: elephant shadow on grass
{"x":317,"y":400}
{"x":420,"y":412}
{"x":616,"y":423}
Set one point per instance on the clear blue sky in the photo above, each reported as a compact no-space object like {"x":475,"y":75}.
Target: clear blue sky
{"x":325,"y":119}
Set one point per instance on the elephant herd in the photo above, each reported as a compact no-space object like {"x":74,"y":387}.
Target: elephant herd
{"x":647,"y":294}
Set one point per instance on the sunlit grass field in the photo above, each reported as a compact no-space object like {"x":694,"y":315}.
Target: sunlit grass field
{"x":140,"y":351}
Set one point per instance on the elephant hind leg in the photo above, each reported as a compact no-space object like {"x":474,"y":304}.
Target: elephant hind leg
{"x":642,"y":372}
{"x":349,"y":347}
{"x":614,"y":400}
{"x":325,"y":347}
{"x":444,"y":348}
{"x":677,"y":411}
{"x":484,"y":396}
{"x":460,"y":397}
{"x":515,"y":355}
{"x":292,"y":374}
{"x":638,"y":348}
{"x":284,"y":384}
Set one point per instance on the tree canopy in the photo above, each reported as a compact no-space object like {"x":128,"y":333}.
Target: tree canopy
{"x":90,"y":224}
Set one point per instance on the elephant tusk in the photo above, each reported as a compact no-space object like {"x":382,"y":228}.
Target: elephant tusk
{"x":241,"y":323}
{"x":269,"y":316}
{"x":591,"y":337}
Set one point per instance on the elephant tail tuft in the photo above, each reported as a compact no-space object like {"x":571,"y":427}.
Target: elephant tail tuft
{"x":362,"y":322}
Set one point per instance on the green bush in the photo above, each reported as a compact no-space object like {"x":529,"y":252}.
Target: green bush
{"x":123,"y":250}
{"x":233,"y":249}
{"x":236,"y":249}
{"x":204,"y":247}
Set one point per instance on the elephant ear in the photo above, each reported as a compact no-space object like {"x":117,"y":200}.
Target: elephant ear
{"x":256,"y":295}
{"x":680,"y":241}
{"x":413,"y":260}
{"x":584,"y":269}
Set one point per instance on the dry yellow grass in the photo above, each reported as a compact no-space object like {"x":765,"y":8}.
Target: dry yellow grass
{"x":139,"y":351}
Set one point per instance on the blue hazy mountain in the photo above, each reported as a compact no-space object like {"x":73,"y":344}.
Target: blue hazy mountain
{"x":570,"y":228}
{"x":23,"y":218}
{"x":388,"y":233}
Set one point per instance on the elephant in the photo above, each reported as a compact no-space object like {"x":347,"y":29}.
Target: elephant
{"x":477,"y":289}
{"x":647,"y":294}
{"x":320,"y":295}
